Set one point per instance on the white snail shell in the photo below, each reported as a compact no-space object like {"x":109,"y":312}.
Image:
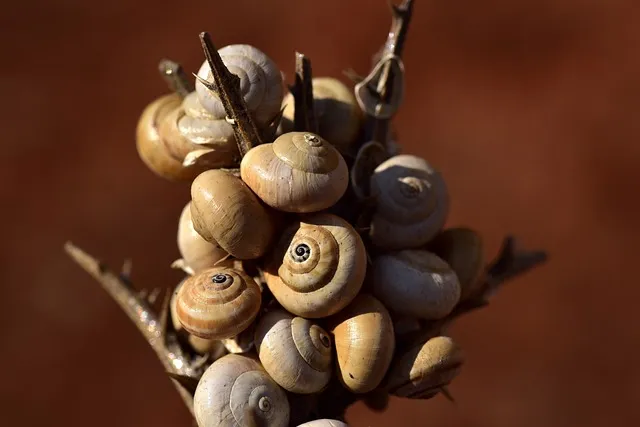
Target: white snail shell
{"x":235,"y":389}
{"x":261,"y":82}
{"x":197,"y":253}
{"x":294,"y":351}
{"x":324,"y":423}
{"x":317,"y":267}
{"x":412,"y":203}
{"x":415,"y":283}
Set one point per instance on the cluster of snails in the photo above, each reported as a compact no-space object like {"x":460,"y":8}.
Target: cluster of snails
{"x":294,"y":280}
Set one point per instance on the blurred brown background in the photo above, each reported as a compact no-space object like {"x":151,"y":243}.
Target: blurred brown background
{"x":531,"y":109}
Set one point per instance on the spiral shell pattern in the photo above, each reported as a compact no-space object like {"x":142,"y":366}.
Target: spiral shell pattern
{"x":318,"y":266}
{"x":218,"y":303}
{"x":261,"y":83}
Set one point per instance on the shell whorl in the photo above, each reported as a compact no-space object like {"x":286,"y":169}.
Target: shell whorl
{"x":218,"y":303}
{"x":412,"y":203}
{"x":197,"y":253}
{"x":235,"y":388}
{"x":318,"y":266}
{"x":261,"y":83}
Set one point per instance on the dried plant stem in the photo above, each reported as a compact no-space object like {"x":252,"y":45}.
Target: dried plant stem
{"x":152,"y":326}
{"x":175,"y":76}
{"x":304,"y":114}
{"x":227,"y":86}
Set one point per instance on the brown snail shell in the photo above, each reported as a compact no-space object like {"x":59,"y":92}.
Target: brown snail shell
{"x":317,"y":267}
{"x":196,"y":252}
{"x":422,"y":371}
{"x":365,"y":342}
{"x":150,"y":141}
{"x":215,"y":348}
{"x":225,"y":211}
{"x":218,"y":303}
{"x":462,"y":249}
{"x":412,"y":203}
{"x":337,"y":112}
{"x":324,"y":423}
{"x":235,"y":391}
{"x":294,"y":351}
{"x":298,"y":172}
{"x":415,"y":283}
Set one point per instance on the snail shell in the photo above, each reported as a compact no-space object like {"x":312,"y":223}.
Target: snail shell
{"x":151,"y":145}
{"x":337,"y":112}
{"x":324,"y":423}
{"x":415,"y":283}
{"x":365,"y":342}
{"x":200,"y":345}
{"x":225,"y":211}
{"x":317,"y":267}
{"x":261,"y":83}
{"x":197,"y":253}
{"x":234,"y":391}
{"x":294,"y":351}
{"x":298,"y":172}
{"x":412,"y":203}
{"x":218,"y":303}
{"x":423,"y":370}
{"x":462,"y":249}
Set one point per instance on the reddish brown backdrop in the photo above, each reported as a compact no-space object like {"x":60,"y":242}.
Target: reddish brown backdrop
{"x":530,"y":109}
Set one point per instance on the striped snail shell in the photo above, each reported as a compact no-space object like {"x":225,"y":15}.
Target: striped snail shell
{"x":415,"y":283}
{"x":294,"y":351}
{"x":218,"y":303}
{"x":365,"y":342}
{"x":298,"y":172}
{"x":412,"y":203}
{"x":317,"y":267}
{"x":261,"y":83}
{"x":235,"y":391}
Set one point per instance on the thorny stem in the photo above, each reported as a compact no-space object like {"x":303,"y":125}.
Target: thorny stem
{"x":175,"y":76}
{"x":304,"y":118}
{"x":227,"y":86}
{"x":152,"y":326}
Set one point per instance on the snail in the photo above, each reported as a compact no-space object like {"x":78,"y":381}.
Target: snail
{"x":337,"y":112}
{"x":197,"y":253}
{"x":415,"y":283}
{"x":226,"y":212}
{"x":324,"y":423}
{"x":462,"y":249}
{"x":294,"y":351}
{"x":365,"y":342}
{"x":412,"y":203}
{"x":299,"y":172}
{"x":218,"y":303}
{"x":214,"y":348}
{"x":422,"y":371}
{"x":261,"y":83}
{"x":317,"y":267}
{"x":151,"y":144}
{"x":235,"y":391}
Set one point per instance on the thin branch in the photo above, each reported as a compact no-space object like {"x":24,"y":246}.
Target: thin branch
{"x":304,"y":118}
{"x":176,"y":78}
{"x":149,"y":323}
{"x":227,"y":86}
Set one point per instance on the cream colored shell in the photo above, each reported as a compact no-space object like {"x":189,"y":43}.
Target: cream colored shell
{"x":261,"y":83}
{"x":225,"y":211}
{"x":197,"y":253}
{"x":422,"y":371}
{"x":324,"y":423}
{"x":235,"y":391}
{"x":218,"y":303}
{"x":415,"y":283}
{"x":365,"y":343}
{"x":412,"y":203}
{"x":337,"y":112}
{"x":294,"y":351}
{"x":298,"y":172}
{"x":317,"y":267}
